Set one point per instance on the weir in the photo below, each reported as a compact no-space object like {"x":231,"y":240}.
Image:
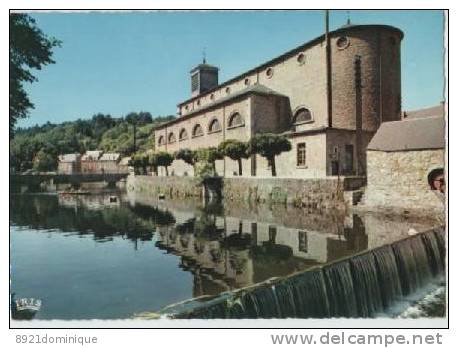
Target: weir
{"x":362,"y":286}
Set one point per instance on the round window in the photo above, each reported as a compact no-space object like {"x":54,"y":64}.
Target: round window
{"x":342,"y":42}
{"x":269,"y":72}
{"x":301,"y":58}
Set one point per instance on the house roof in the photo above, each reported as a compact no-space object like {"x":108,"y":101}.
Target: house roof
{"x":92,"y":155}
{"x":124,"y":161}
{"x":110,"y":157}
{"x":204,"y":66}
{"x":437,"y":110}
{"x":69,"y":157}
{"x":254,"y":89}
{"x":410,"y":134}
{"x":296,"y":50}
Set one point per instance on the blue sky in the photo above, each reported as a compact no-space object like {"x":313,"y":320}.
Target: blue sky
{"x":121,"y":62}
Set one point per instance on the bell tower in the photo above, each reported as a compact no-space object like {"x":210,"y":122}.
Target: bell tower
{"x":204,"y":77}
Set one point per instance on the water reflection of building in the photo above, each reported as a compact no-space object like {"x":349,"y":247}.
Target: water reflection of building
{"x":208,"y":259}
{"x":226,"y":252}
{"x":91,"y":202}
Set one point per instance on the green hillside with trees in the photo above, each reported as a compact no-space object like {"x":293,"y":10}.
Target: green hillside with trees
{"x":38,"y":147}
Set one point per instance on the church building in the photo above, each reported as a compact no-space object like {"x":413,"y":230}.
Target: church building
{"x":328,"y":96}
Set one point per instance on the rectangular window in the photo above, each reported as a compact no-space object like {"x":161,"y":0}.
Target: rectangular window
{"x":348,"y":160}
{"x":194,"y":82}
{"x":303,"y":241}
{"x":272,"y":234}
{"x":301,"y":155}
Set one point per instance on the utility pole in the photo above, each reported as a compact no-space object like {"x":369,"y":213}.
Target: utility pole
{"x":328,"y":70}
{"x":135,"y":135}
{"x":358,"y":112}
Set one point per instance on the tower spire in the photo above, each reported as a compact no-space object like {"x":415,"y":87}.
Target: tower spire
{"x":348,"y":18}
{"x":204,"y":56}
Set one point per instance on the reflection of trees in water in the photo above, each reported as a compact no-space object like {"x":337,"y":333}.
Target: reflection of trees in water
{"x":269,"y":251}
{"x":186,"y":227}
{"x":270,"y":259}
{"x":199,"y":246}
{"x":238,"y":262}
{"x":158,"y":216}
{"x":184,"y":241}
{"x":33,"y":210}
{"x":237,"y":240}
{"x":202,"y":227}
{"x":43,"y":212}
{"x":216,"y":255}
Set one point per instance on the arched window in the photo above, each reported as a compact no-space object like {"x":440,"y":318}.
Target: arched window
{"x":301,"y":116}
{"x":183,"y":134}
{"x":197,"y":131}
{"x":214,"y":126}
{"x":172,"y":138}
{"x":236,"y":120}
{"x":161,"y":140}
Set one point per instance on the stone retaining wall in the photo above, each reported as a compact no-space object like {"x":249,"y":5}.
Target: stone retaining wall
{"x":310,"y":193}
{"x":169,"y":186}
{"x":321,"y":194}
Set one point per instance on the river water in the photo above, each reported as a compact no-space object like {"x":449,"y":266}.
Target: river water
{"x":111,"y":256}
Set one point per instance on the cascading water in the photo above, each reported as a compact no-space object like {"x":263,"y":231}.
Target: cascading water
{"x":309,"y":294}
{"x":365,"y":285}
{"x":388,"y":275}
{"x":340,"y":290}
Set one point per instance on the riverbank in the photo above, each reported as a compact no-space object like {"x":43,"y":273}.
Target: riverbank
{"x":318,"y":195}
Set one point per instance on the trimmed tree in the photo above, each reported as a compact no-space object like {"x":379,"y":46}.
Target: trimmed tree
{"x":152,"y":160}
{"x":140,"y":163}
{"x":268,"y":146}
{"x":187,"y":155}
{"x":164,"y":159}
{"x":209,"y":155}
{"x":235,"y":150}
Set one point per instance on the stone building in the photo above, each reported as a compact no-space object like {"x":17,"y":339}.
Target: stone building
{"x":109,"y":163}
{"x":93,"y":162}
{"x":69,"y":163}
{"x":400,"y":159}
{"x":329,"y":96}
{"x":437,"y":110}
{"x":90,"y":161}
{"x":124,"y":165}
